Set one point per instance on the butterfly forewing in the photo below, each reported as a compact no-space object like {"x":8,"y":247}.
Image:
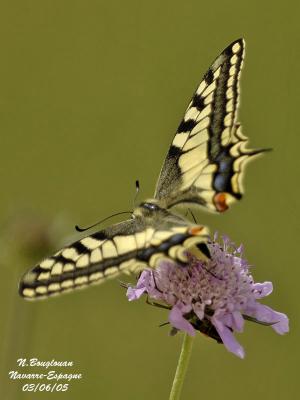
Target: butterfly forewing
{"x":126,"y":247}
{"x":89,"y":260}
{"x":204,"y":163}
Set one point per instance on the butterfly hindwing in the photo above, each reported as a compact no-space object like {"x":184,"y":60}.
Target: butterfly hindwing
{"x":204,"y":163}
{"x":128,"y":246}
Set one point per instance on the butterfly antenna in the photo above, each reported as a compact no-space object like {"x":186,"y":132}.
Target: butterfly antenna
{"x":137,"y":188}
{"x":78,"y":229}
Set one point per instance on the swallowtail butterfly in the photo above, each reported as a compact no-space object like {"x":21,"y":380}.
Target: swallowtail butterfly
{"x":204,"y":166}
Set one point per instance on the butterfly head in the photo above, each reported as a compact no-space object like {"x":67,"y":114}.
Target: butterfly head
{"x":152,"y":210}
{"x":148,"y":208}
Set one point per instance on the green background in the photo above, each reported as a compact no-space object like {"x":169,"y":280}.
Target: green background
{"x":91,"y":93}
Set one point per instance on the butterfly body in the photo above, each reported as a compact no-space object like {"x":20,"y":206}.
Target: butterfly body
{"x":203,"y":167}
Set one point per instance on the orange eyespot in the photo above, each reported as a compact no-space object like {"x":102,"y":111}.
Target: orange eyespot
{"x":195,"y":230}
{"x":220,"y":202}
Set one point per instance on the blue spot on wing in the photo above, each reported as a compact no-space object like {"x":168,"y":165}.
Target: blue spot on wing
{"x":220,"y":182}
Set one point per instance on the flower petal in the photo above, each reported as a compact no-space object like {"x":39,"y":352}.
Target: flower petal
{"x":282,"y":326}
{"x":233,"y":320}
{"x":199,"y":310}
{"x":134,"y":293}
{"x":266,"y":314}
{"x":240,"y":249}
{"x":228,"y":339}
{"x":238,"y":321}
{"x":177,"y":320}
{"x":262,"y":289}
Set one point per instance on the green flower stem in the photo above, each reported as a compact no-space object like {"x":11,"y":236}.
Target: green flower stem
{"x":182,"y":365}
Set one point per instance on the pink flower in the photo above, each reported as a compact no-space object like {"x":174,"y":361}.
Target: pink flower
{"x":214,"y":297}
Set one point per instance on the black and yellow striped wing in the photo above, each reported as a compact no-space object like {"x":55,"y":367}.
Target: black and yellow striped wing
{"x":205,"y":162}
{"x":128,"y":246}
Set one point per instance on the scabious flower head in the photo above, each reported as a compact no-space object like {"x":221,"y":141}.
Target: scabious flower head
{"x":214,"y":296}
